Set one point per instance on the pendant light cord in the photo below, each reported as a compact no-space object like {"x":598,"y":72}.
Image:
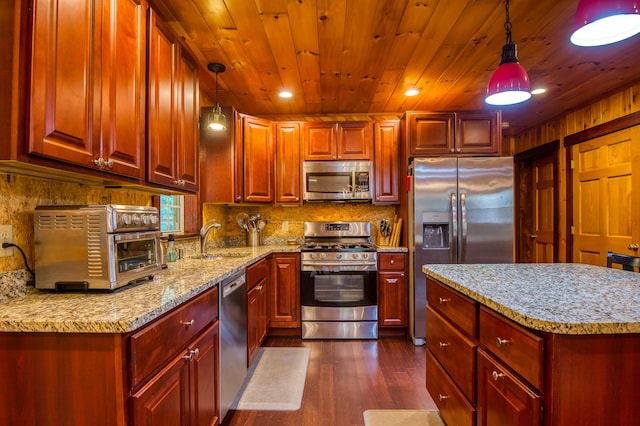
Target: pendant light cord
{"x":507,"y":23}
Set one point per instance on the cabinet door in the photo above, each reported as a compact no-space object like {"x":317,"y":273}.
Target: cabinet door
{"x":502,"y":398}
{"x":164,"y":400}
{"x":478,"y":132}
{"x":204,"y":378}
{"x":284,"y":291}
{"x":257,"y":137}
{"x":288,"y":176}
{"x":354,"y":141}
{"x":393,"y":298}
{"x":65,"y":81}
{"x":320,"y":141}
{"x":187,"y":152}
{"x":162,"y":98}
{"x":430,"y":134}
{"x":124,"y":65}
{"x":386,"y":150}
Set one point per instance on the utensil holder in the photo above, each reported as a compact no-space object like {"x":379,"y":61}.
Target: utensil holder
{"x":253,"y":238}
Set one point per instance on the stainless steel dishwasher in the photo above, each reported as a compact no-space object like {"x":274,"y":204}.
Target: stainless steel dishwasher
{"x":233,"y":339}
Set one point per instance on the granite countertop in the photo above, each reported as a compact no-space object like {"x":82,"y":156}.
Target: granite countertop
{"x":130,"y":307}
{"x":387,"y":249}
{"x":562,"y":298}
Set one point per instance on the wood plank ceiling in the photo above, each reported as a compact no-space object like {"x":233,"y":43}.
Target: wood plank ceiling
{"x":358,"y":57}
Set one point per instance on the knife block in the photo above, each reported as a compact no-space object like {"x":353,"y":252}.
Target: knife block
{"x":382,"y":241}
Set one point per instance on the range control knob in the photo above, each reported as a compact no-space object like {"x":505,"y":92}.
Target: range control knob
{"x":323,"y":255}
{"x":145,"y":219}
{"x":125,"y":219}
{"x":313,"y":255}
{"x":338,"y":255}
{"x":365,"y":255}
{"x":136,"y":219}
{"x":355,"y":255}
{"x":153,"y":219}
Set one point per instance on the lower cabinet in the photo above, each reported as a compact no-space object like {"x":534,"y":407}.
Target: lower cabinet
{"x":185,"y":392}
{"x":392,"y":292}
{"x":257,"y":319}
{"x":284,"y":293}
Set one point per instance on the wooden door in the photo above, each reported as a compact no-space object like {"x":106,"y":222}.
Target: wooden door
{"x":386,"y":151}
{"x":430,"y":134}
{"x":605,"y":182}
{"x":478,"y":132}
{"x":320,"y":141}
{"x":187,"y":151}
{"x":537,"y":205}
{"x":288,"y":177}
{"x":284,"y":291}
{"x":257,"y":138}
{"x":205,"y":364}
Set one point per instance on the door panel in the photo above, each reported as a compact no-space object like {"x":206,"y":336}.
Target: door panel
{"x":606,"y":172}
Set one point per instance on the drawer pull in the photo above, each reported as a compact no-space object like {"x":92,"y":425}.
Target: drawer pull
{"x":191,"y":354}
{"x":502,"y":342}
{"x":443,"y":300}
{"x":444,"y":345}
{"x":392,"y":261}
{"x":497,"y":375}
{"x":442,"y":397}
{"x":187,"y":323}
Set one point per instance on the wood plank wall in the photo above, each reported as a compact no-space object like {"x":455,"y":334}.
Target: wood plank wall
{"x":617,"y":105}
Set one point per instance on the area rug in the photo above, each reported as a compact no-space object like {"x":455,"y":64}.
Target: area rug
{"x":276,"y":381}
{"x":402,"y":418}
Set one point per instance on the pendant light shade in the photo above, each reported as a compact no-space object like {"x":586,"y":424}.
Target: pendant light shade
{"x":509,"y":83}
{"x":601,"y":22}
{"x":216,"y":119}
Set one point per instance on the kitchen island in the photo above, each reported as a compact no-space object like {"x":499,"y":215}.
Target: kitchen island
{"x":122,"y":357}
{"x":531,"y":344}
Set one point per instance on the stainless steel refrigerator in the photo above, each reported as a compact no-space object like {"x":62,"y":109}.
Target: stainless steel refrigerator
{"x":460,"y":211}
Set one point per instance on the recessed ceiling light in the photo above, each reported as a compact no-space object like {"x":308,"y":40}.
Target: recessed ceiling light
{"x":411,"y":92}
{"x":285,"y":94}
{"x":538,"y":91}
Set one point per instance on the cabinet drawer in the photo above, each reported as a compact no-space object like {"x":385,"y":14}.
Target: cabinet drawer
{"x":456,"y":307}
{"x":454,"y":408}
{"x":151,"y":347}
{"x":512,"y":344}
{"x":502,"y":398}
{"x":256,"y":273}
{"x":391,"y":261}
{"x":456,"y":353}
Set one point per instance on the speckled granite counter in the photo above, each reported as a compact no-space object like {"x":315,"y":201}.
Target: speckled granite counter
{"x":385,"y":249}
{"x":130,"y":307}
{"x":562,"y":298}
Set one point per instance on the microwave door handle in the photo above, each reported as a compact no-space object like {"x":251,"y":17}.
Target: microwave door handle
{"x":453,"y":251}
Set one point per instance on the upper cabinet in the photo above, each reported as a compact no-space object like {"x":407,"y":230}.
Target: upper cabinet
{"x":463,"y":133}
{"x":287,"y":174}
{"x":257,"y":141}
{"x":337,"y":141}
{"x":173,"y":97}
{"x":386,"y":161}
{"x":86,"y":101}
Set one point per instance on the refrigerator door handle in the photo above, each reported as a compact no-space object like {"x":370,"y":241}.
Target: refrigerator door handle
{"x":463,"y":226}
{"x":454,"y":227}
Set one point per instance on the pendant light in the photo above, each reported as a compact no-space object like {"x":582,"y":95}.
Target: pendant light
{"x":509,"y":83}
{"x":601,"y":22}
{"x":216,"y":120}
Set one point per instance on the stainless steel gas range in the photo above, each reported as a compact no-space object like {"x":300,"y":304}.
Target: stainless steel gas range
{"x":338,"y":281}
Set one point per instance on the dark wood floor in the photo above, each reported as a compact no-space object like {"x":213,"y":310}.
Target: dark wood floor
{"x":347,"y":377}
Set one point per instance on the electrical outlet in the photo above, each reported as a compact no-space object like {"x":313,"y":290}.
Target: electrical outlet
{"x":285,"y":226}
{"x":6,"y":236}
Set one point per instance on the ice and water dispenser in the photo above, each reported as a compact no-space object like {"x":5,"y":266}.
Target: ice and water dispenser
{"x":435,"y":230}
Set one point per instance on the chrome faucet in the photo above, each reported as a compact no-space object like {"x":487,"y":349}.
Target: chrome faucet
{"x":204,"y":233}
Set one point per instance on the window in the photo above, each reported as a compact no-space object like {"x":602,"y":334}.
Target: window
{"x":172,"y":214}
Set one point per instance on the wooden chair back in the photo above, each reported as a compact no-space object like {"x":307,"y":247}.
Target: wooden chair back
{"x":628,"y":263}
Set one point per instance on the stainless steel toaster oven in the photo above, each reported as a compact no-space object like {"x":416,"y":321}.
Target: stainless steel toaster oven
{"x":95,"y":247}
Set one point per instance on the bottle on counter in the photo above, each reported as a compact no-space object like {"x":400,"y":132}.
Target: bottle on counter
{"x":172,"y":253}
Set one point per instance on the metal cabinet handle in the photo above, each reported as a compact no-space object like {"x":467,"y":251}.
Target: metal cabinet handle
{"x":633,"y":246}
{"x":102,"y":164}
{"x":502,"y":342}
{"x":497,"y":375}
{"x":533,"y":236}
{"x":392,"y":261}
{"x":192,"y":353}
{"x":443,"y":300}
{"x":442,"y":397}
{"x":187,"y":323}
{"x":444,"y":345}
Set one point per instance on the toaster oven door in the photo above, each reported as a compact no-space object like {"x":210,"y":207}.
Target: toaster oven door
{"x":135,"y":255}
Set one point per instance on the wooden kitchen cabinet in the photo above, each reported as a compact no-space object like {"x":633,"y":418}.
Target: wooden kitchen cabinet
{"x":284,"y":292}
{"x":288,"y":175}
{"x":392,"y":290}
{"x":87,"y":88}
{"x":258,"y":148}
{"x":337,"y":141}
{"x":258,"y":276}
{"x":386,"y":152}
{"x":173,"y":111}
{"x":459,"y":133}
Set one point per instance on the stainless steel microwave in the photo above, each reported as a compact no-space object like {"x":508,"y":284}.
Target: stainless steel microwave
{"x":337,"y":181}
